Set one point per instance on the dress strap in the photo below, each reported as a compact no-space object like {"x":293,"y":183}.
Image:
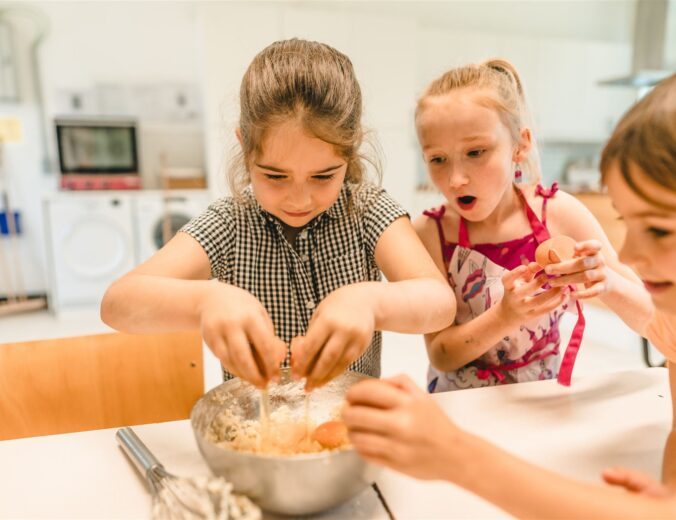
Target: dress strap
{"x":540,"y":230}
{"x":546,"y":194}
{"x":437,"y":214}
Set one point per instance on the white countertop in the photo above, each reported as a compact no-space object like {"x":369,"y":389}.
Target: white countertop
{"x":620,"y":418}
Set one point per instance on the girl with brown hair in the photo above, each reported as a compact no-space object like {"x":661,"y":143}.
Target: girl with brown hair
{"x":286,"y":271}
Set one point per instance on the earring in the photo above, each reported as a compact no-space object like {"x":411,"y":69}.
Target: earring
{"x":518,"y":176}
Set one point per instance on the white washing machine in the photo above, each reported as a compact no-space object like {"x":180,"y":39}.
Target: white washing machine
{"x":160,"y":216}
{"x":90,"y":242}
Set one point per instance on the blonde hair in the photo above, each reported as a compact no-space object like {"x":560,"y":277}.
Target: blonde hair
{"x":504,"y":93}
{"x":646,"y":136}
{"x":312,"y":82}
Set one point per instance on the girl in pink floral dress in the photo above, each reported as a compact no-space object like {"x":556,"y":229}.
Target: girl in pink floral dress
{"x":472,"y":127}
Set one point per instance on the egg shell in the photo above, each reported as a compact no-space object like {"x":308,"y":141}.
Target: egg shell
{"x":561,"y":246}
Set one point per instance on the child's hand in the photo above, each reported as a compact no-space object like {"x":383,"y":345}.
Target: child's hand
{"x":524,"y":298}
{"x":240,"y":333}
{"x":588,"y":267}
{"x":340,"y":330}
{"x":637,"y":482}
{"x":394,"y":423}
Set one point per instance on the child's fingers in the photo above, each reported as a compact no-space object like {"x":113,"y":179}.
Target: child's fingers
{"x":304,"y":352}
{"x":634,"y":481}
{"x":587,"y":277}
{"x":368,"y":419}
{"x":405,"y":383}
{"x":550,"y":305}
{"x":530,"y":288}
{"x":264,"y":343}
{"x":588,"y":247}
{"x":591,"y":292}
{"x":575,"y":265}
{"x":376,"y":393}
{"x":242,"y":358}
{"x":328,"y":358}
{"x":373,"y":447}
{"x":220,"y":350}
{"x":510,"y":277}
{"x":350,"y":353}
{"x":534,"y":304}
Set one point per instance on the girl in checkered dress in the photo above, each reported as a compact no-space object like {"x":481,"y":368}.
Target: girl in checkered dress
{"x":287,"y":269}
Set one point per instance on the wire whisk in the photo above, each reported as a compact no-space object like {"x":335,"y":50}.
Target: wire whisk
{"x":208,"y":498}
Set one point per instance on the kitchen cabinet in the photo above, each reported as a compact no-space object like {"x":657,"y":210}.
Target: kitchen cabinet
{"x":560,"y":77}
{"x":571,"y":105}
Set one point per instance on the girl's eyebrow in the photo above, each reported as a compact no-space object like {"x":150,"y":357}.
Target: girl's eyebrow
{"x":476,"y":138}
{"x":280,"y":170}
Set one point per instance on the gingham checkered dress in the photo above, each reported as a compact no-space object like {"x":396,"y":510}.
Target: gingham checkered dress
{"x":247,"y":248}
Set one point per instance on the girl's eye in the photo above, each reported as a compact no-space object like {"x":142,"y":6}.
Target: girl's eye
{"x":324,"y":177}
{"x":274,"y":177}
{"x":658,"y":232}
{"x":475,"y":153}
{"x":437,"y":160}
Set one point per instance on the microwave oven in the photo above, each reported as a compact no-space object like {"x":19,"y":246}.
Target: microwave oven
{"x":98,"y":153}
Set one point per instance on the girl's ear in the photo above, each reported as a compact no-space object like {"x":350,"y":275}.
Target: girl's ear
{"x":524,"y":145}
{"x":238,"y":134}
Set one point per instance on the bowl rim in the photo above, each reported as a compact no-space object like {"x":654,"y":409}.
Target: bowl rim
{"x":323,"y":454}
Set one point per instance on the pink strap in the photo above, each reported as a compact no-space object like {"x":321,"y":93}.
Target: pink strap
{"x":539,"y":228}
{"x":498,"y":370}
{"x":546,"y":194}
{"x":568,"y":361}
{"x":436,"y":215}
{"x":463,"y":234}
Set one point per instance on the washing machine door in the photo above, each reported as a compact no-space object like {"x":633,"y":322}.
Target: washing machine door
{"x":92,"y":245}
{"x":90,"y":256}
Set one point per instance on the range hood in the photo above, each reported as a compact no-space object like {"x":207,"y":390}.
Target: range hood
{"x":650,"y":32}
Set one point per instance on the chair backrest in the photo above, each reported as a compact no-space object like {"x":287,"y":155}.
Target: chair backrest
{"x":101,"y":381}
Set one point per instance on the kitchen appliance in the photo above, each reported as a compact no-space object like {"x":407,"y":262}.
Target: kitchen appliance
{"x":160,"y":214}
{"x":98,"y":153}
{"x":90,"y":243}
{"x":293,"y":484}
{"x":652,"y":41}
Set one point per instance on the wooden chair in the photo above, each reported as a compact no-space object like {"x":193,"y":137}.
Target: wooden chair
{"x":101,"y":381}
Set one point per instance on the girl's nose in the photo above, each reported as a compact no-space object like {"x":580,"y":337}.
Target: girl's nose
{"x":300,"y":196}
{"x":456,"y":179}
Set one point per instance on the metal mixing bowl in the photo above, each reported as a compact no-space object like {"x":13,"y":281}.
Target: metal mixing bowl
{"x":294,"y":484}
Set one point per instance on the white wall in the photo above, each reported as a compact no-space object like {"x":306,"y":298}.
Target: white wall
{"x":88,"y":44}
{"x":396,"y":47}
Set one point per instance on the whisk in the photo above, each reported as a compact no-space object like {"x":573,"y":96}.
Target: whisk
{"x":208,"y":498}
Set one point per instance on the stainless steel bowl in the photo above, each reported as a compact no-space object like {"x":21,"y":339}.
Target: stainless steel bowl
{"x":290,"y":485}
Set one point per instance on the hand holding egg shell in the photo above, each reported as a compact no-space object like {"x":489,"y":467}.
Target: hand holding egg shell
{"x":586,"y":265}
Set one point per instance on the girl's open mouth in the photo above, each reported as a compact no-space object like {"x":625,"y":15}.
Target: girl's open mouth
{"x":467,"y":202}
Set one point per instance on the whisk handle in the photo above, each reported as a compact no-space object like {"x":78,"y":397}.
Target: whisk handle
{"x":138,"y":452}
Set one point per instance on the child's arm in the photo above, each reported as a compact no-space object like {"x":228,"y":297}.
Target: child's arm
{"x":172,"y":291}
{"x":457,"y":345}
{"x":394,"y":423}
{"x":417,"y":299}
{"x":598,"y":266}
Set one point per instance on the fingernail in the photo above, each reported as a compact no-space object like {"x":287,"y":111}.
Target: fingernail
{"x":548,"y":270}
{"x":589,"y":261}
